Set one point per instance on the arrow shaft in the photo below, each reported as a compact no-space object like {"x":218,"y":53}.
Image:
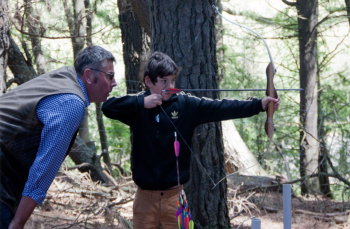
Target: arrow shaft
{"x":297,"y":89}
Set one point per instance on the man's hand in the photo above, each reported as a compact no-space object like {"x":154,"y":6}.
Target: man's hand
{"x":24,"y":210}
{"x":265,"y":101}
{"x":153,"y":100}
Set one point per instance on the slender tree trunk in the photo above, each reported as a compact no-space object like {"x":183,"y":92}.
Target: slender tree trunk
{"x":323,"y":150}
{"x":185,"y":30}
{"x":88,"y":14}
{"x":79,"y":26}
{"x":307,"y":20}
{"x":76,"y":24}
{"x":347,"y":5}
{"x":34,"y":27}
{"x":99,"y":115}
{"x":4,"y":44}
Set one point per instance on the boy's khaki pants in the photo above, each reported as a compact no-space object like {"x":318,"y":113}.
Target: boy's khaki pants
{"x":155,"y":208}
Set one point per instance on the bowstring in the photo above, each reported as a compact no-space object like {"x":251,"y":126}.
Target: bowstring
{"x":187,"y":145}
{"x":197,"y":159}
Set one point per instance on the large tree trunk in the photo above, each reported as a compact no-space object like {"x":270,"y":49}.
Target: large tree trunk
{"x":4,"y":44}
{"x":185,"y":30}
{"x":307,"y":21}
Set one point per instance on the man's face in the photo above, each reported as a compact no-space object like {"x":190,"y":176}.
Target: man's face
{"x":100,"y":81}
{"x":161,"y":84}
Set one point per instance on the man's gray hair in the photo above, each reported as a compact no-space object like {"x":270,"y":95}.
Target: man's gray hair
{"x":91,"y":57}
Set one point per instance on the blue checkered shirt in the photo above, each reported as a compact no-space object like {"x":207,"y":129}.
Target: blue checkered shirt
{"x":61,"y":115}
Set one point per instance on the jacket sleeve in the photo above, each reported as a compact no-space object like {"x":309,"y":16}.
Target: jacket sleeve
{"x":208,"y":110}
{"x":123,"y":108}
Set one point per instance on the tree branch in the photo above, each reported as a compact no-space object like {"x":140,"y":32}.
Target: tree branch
{"x":289,"y":3}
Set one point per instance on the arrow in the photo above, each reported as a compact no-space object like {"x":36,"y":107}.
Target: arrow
{"x":176,"y":90}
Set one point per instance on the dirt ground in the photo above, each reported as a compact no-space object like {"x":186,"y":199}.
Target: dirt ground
{"x":74,"y":201}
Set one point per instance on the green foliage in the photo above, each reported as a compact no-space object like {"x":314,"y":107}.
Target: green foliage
{"x":245,"y":61}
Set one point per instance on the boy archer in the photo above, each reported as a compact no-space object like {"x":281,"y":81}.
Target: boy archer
{"x":153,"y":162}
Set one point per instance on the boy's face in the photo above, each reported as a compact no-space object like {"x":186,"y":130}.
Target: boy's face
{"x":161,"y":84}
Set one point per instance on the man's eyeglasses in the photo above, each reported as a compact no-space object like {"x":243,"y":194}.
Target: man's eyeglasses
{"x":110,"y":75}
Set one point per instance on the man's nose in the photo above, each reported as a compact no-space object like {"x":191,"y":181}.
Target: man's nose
{"x":113,"y":82}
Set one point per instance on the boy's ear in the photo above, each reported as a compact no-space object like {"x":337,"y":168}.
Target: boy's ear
{"x":148,"y":81}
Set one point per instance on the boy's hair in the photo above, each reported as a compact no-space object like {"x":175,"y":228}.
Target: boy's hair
{"x":160,"y":64}
{"x":91,"y":57}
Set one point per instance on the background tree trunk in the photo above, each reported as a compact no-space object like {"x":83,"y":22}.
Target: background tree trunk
{"x":19,"y":65}
{"x":307,"y":20}
{"x":323,"y":150}
{"x":185,"y":30}
{"x":347,"y":5}
{"x":76,"y":24}
{"x":134,"y":40}
{"x":4,"y":44}
{"x":34,"y":27}
{"x":79,"y":26}
{"x":237,"y":154}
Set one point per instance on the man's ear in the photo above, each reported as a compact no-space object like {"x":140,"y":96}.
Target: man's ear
{"x":88,"y":76}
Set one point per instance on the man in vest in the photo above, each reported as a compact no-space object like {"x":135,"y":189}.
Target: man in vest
{"x":38,"y":124}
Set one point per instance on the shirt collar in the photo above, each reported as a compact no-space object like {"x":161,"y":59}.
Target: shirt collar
{"x":84,"y":91}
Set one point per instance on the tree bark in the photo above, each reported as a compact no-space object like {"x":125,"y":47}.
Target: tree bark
{"x":4,"y":44}
{"x":307,"y":20}
{"x":185,"y":30}
{"x":19,"y":65}
{"x":141,"y":9}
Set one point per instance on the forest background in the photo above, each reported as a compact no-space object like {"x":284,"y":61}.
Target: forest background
{"x":309,"y":42}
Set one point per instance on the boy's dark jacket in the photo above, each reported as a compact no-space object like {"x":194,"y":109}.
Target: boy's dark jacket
{"x":153,"y":161}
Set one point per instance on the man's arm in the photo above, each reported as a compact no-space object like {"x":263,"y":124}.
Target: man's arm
{"x":61,"y":116}
{"x":25,"y":209}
